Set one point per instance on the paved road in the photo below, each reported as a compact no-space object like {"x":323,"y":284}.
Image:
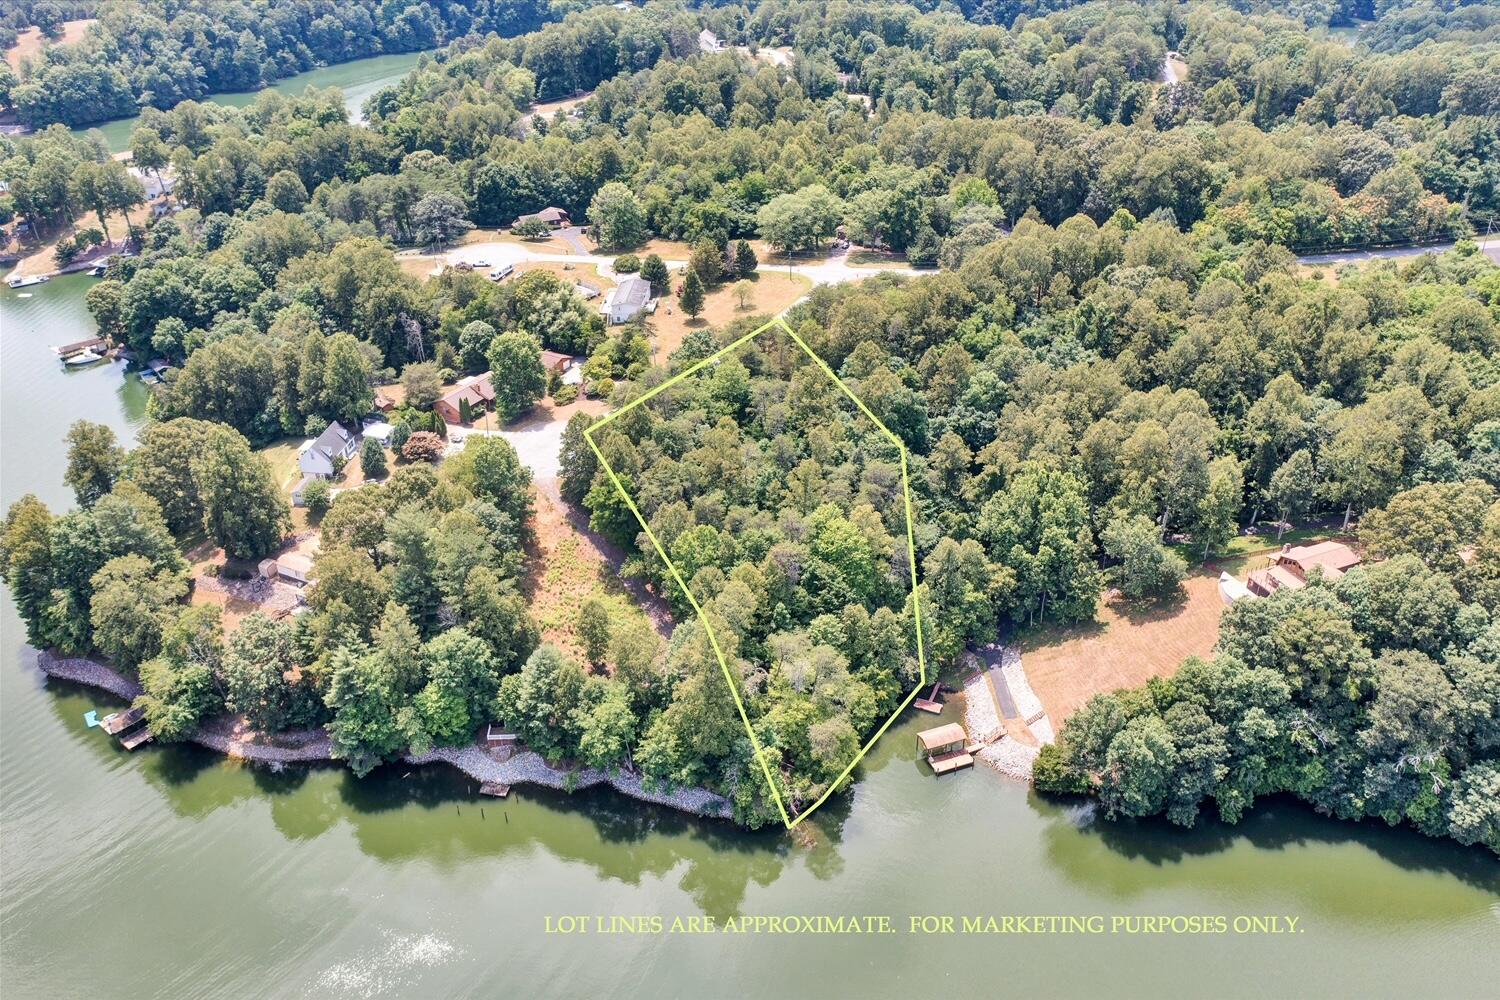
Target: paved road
{"x":834,"y":270}
{"x":1490,"y":246}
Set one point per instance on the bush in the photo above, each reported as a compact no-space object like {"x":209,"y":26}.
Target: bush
{"x":627,"y":263}
{"x":372,"y":459}
{"x":565,"y":394}
{"x":315,"y":425}
{"x":423,"y":446}
{"x":1051,"y":772}
{"x":317,"y":496}
{"x":400,"y":434}
{"x":532,"y":229}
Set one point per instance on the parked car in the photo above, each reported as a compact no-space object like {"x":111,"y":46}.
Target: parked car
{"x":502,"y":272}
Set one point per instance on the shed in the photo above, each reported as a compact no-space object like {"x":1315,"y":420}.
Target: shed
{"x":117,"y":722}
{"x":295,"y":566}
{"x":556,"y":363}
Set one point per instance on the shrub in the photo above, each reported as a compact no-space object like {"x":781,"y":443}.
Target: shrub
{"x":532,"y":229}
{"x":317,"y":496}
{"x":627,"y":263}
{"x":372,"y":459}
{"x":565,"y":394}
{"x":315,"y":425}
{"x":423,"y":446}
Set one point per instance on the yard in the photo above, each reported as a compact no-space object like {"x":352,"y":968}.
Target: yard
{"x":29,"y":42}
{"x":1129,"y":642}
{"x":774,"y":293}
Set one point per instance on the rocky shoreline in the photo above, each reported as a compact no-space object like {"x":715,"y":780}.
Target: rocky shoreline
{"x":228,"y":736}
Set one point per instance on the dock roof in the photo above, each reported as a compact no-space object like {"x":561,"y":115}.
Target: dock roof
{"x":942,"y":736}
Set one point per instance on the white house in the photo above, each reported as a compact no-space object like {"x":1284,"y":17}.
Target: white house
{"x":316,"y":457}
{"x":709,"y":42}
{"x":628,"y":300}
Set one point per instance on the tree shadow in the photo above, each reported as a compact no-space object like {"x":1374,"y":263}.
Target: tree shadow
{"x":1141,"y":611}
{"x":1275,"y":823}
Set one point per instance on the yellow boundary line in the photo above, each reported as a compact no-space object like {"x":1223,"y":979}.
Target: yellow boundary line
{"x":729,"y":678}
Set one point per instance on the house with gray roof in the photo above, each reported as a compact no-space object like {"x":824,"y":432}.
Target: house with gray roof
{"x":317,"y":456}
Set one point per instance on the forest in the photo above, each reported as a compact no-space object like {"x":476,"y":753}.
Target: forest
{"x":1116,"y":366}
{"x":152,"y":53}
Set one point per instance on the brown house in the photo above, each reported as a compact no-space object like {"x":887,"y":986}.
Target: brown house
{"x":475,"y":394}
{"x":555,"y":363}
{"x":1290,"y":567}
{"x":554,"y":217}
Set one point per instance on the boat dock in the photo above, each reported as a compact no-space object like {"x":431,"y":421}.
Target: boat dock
{"x":134,"y":739}
{"x":930,"y":703}
{"x":117,"y":722}
{"x":123,"y":725}
{"x":948,"y":762}
{"x":494,"y":788}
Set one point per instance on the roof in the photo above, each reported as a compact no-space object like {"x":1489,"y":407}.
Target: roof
{"x":295,"y":561}
{"x":633,"y":293}
{"x":1276,"y":578}
{"x":1331,"y":556}
{"x":1232,"y":590}
{"x":118,"y":722}
{"x":476,"y":389}
{"x":549,"y":214}
{"x":942,"y":736}
{"x":331,"y":442}
{"x":552,"y":359}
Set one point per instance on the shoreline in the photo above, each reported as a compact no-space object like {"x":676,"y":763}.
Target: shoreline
{"x":223,"y":734}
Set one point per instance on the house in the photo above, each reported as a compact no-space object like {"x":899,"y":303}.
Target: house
{"x":709,"y":42}
{"x":554,"y":217}
{"x":469,"y":398}
{"x":1290,"y":567}
{"x":555,"y":363}
{"x":629,"y":299}
{"x":334,"y":446}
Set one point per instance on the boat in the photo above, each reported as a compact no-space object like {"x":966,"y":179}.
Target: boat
{"x":97,"y":271}
{"x":82,"y":358}
{"x":17,"y":281}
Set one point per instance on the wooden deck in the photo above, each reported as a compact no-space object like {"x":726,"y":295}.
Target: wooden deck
{"x":494,"y":788}
{"x":955,"y":761}
{"x":930,"y":703}
{"x":132,"y":740}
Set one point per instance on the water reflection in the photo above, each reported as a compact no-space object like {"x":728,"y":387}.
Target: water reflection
{"x":1085,"y":846}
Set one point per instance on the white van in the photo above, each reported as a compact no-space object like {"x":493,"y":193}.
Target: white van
{"x":502,"y":272}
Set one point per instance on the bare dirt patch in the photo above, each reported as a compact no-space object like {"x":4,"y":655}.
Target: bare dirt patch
{"x":30,"y":42}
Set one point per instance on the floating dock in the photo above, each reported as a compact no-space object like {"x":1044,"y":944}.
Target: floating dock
{"x":132,"y":740}
{"x":930,"y":703}
{"x":494,"y":788}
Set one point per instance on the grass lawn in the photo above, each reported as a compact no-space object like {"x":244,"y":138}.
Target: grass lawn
{"x":282,"y":454}
{"x":774,"y":292}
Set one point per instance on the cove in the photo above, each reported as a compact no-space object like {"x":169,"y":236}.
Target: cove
{"x":358,"y":79}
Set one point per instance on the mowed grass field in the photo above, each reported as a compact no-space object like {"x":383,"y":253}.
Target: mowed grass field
{"x":1130,"y":642}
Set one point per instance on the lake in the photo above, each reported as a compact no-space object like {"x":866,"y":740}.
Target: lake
{"x":357,"y":79}
{"x":188,"y":875}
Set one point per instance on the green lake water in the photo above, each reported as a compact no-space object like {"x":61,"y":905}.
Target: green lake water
{"x":186,"y":875}
{"x":358,"y":80}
